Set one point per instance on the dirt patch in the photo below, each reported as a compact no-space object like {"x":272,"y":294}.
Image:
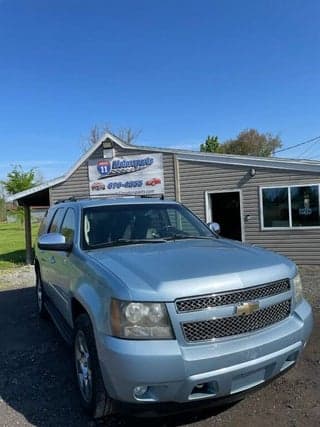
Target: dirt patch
{"x":17,"y":277}
{"x":37,"y":386}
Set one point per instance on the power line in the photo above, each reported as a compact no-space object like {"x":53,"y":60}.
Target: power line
{"x":297,"y":145}
{"x":308,"y":149}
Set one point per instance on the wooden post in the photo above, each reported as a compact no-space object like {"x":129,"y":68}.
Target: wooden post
{"x":27,"y":234}
{"x":176,"y":178}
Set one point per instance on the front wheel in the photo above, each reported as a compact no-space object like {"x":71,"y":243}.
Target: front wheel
{"x":40,"y":297}
{"x":93,"y":395}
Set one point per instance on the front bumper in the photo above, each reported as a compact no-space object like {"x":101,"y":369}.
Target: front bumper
{"x":192,"y":373}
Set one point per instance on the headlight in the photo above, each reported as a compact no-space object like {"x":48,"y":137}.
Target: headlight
{"x":140,"y":320}
{"x":297,"y":286}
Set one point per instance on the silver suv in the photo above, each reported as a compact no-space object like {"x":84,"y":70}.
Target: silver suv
{"x":160,"y":309}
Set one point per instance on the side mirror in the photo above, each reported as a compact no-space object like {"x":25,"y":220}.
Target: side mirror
{"x":214,"y":226}
{"x":54,"y":242}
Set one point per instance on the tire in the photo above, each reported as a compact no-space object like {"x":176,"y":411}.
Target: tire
{"x":40,"y":295}
{"x":93,"y":395}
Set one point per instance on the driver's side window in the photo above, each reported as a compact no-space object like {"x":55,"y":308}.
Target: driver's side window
{"x":68,"y":225}
{"x":56,"y":221}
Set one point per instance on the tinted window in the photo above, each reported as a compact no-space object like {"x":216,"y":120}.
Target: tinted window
{"x":275,"y":207}
{"x":305,"y":206}
{"x":180,"y":222}
{"x":56,"y":222}
{"x":104,"y":225}
{"x":44,"y":224}
{"x":68,"y":225}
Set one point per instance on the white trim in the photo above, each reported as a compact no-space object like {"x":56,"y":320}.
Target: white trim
{"x":248,"y":161}
{"x":261,"y":209}
{"x":290,"y":226}
{"x":35,"y":189}
{"x":208,"y":208}
{"x":243,"y":235}
{"x":289,"y":207}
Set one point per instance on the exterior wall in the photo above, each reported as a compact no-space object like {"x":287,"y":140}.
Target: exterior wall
{"x":77,"y":185}
{"x":196,"y":178}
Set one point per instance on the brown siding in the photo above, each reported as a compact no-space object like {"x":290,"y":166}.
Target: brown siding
{"x":196,"y":178}
{"x":77,"y":185}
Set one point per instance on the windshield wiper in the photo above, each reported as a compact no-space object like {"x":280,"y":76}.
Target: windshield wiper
{"x":183,"y":236}
{"x":123,"y":242}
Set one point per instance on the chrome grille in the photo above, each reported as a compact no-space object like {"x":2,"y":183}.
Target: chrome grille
{"x":234,"y":297}
{"x":235,"y":325}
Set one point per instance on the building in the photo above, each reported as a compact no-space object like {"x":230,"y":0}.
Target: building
{"x":270,"y":202}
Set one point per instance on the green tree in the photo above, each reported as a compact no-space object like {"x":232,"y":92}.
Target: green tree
{"x":249,"y":142}
{"x":252,"y":143}
{"x":211,"y":145}
{"x":20,"y":180}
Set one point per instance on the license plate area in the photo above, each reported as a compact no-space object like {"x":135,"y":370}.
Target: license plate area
{"x":250,"y":379}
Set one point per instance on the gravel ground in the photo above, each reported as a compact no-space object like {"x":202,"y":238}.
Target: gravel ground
{"x":37,"y":387}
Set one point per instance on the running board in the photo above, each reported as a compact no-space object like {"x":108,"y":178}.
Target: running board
{"x":59,"y":321}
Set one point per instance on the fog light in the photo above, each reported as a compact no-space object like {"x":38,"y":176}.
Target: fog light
{"x":140,"y":390}
{"x":199,"y":386}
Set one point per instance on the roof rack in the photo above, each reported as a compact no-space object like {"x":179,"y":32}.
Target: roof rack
{"x":70,"y":199}
{"x":151,"y":196}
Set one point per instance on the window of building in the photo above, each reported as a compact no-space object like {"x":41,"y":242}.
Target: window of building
{"x":275,"y":207}
{"x":290,"y":207}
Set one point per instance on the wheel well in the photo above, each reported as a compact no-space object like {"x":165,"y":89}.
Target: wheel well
{"x":36,"y":266}
{"x":77,"y":309}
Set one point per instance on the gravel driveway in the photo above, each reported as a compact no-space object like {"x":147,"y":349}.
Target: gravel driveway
{"x":37,"y":387}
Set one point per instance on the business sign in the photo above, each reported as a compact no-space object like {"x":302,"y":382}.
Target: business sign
{"x":127,"y":175}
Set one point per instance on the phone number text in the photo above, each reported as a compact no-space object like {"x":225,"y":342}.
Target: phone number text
{"x":127,"y":184}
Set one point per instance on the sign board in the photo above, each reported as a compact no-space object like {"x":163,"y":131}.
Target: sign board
{"x":128,"y":175}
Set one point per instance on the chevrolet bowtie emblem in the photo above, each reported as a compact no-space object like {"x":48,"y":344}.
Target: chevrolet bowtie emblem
{"x":247,"y":308}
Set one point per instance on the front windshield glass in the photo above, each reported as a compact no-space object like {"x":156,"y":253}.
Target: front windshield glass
{"x":140,"y":223}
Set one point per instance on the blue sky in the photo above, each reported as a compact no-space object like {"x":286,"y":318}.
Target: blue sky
{"x":178,"y":70}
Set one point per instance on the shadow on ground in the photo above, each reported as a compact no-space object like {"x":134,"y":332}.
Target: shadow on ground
{"x":16,"y":257}
{"x":36,"y":373}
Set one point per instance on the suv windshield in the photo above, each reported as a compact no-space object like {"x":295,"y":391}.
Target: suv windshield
{"x":149,"y":223}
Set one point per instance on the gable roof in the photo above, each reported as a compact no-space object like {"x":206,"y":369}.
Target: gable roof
{"x":187,"y":155}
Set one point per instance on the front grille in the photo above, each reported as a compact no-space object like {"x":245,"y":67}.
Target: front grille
{"x":235,"y":325}
{"x":234,"y":297}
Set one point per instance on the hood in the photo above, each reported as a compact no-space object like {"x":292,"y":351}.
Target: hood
{"x":182,"y":268}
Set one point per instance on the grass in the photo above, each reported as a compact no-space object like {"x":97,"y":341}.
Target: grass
{"x":12,"y":244}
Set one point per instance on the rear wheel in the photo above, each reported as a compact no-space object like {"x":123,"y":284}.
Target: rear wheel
{"x":93,"y":395}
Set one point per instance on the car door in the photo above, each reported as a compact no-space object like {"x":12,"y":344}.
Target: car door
{"x":65,"y":270}
{"x":48,"y":259}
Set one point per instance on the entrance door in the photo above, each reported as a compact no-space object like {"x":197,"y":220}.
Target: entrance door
{"x":226,"y":210}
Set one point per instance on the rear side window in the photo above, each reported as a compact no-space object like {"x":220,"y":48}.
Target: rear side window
{"x":56,"y":222}
{"x":68,"y":225}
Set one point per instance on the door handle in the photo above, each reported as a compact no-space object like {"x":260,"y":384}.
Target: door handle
{"x":52,"y":260}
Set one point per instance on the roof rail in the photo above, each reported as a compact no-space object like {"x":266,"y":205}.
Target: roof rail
{"x":70,"y":199}
{"x":152,"y":196}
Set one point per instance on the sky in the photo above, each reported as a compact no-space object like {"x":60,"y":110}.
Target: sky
{"x":178,"y":70}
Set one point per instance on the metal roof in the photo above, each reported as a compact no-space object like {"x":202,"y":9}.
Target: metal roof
{"x":186,"y":155}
